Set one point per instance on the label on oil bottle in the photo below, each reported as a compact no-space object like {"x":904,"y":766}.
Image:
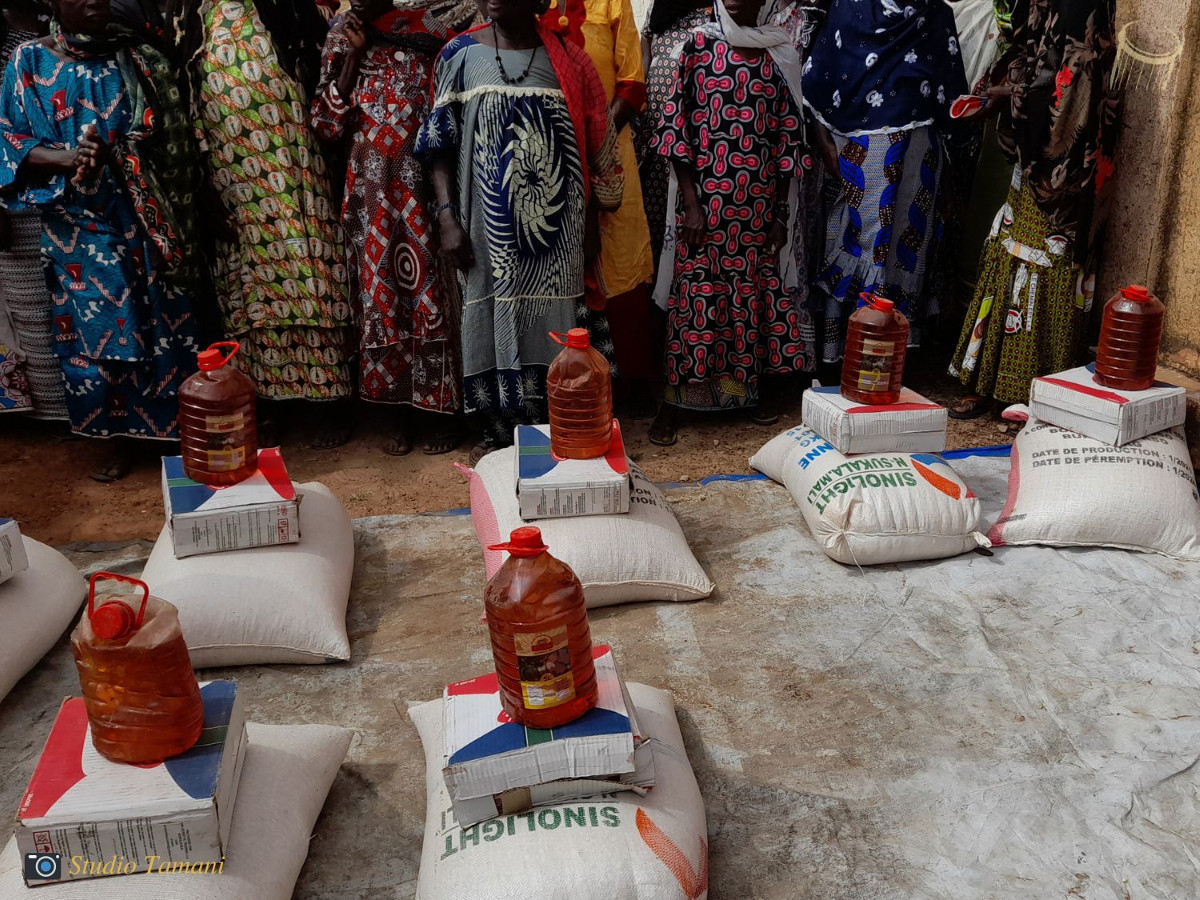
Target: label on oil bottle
{"x":225,"y":452}
{"x":544,"y":663}
{"x":875,"y":373}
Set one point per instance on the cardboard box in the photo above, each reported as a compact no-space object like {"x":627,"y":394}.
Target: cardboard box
{"x":95,"y":818}
{"x":492,"y":768}
{"x":13,"y":558}
{"x":261,"y":511}
{"x":914,"y":424}
{"x":472,"y":811}
{"x":552,"y":488}
{"x":1074,"y":400}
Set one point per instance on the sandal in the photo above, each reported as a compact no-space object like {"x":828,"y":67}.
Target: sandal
{"x":441,"y":442}
{"x":971,"y":406}
{"x":482,"y":449}
{"x":399,"y":445}
{"x":763,"y":417}
{"x":665,"y":432}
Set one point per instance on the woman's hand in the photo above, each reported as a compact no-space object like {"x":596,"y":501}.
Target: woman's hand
{"x":694,"y":226}
{"x":356,"y":41}
{"x":92,"y":154}
{"x":827,"y":150}
{"x":455,"y":243}
{"x":776,"y":236}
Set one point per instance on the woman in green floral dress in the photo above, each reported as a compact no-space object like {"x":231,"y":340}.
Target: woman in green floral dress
{"x":281,"y":277}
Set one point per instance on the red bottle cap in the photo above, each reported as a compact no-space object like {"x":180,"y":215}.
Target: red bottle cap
{"x":1138,"y":293}
{"x":524,"y":542}
{"x":113,"y":620}
{"x":883,"y":304}
{"x":576,"y":338}
{"x":214,"y":358}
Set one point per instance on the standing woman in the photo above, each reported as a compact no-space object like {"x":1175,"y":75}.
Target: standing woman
{"x":879,"y":81}
{"x":280,"y":275}
{"x":671,"y":23}
{"x":30,"y":377}
{"x":732,"y":132}
{"x":373,"y":97}
{"x":1058,"y":125}
{"x":608,"y":34}
{"x":83,"y":114}
{"x":519,"y":141}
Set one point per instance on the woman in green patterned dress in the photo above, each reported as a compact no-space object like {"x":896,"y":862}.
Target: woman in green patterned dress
{"x":1058,"y":125}
{"x":281,"y":281}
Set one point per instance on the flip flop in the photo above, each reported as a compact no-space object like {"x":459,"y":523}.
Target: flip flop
{"x":400,"y":445}
{"x":970,"y":408}
{"x":442,"y":442}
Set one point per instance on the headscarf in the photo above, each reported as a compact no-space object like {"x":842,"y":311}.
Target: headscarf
{"x":1061,"y":124}
{"x":884,"y":65}
{"x":424,"y":28}
{"x":769,"y":35}
{"x":296,"y":28}
{"x":158,"y":153}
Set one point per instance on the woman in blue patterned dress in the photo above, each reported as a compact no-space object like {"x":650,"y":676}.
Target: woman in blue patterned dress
{"x":520,"y":141}
{"x":80,"y":140}
{"x":880,"y":80}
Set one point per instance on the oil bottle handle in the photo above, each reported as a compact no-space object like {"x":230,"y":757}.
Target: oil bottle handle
{"x":235,"y":345}
{"x":113,"y":576}
{"x":558,"y":337}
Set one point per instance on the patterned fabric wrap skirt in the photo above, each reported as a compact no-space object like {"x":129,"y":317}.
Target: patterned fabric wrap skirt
{"x":881,"y":228}
{"x":23,"y":289}
{"x":1030,"y":310}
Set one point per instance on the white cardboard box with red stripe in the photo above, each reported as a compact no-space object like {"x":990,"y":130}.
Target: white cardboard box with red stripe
{"x":1074,"y":400}
{"x":913,"y":424}
{"x":494,"y":766}
{"x":84,"y":816}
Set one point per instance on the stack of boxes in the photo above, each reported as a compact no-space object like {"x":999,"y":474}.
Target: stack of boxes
{"x":259,"y":511}
{"x":496,"y":767}
{"x":553,"y":488}
{"x":84,"y":816}
{"x":1074,"y":400}
{"x":913,"y":424}
{"x":13,"y":559}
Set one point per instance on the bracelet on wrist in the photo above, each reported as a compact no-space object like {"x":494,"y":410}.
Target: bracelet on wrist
{"x":446,"y":207}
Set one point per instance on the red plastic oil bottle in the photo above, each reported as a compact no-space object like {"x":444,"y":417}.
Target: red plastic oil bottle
{"x":876,"y":344}
{"x":579,"y":391}
{"x":217,"y":421}
{"x":142,"y":699}
{"x":1130,"y":332}
{"x":541,"y":641}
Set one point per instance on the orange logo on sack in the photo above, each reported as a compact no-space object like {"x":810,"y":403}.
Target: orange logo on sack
{"x":948,"y":487}
{"x":695,"y":885}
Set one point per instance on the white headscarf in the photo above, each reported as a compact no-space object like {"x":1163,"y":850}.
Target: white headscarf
{"x":767,"y":35}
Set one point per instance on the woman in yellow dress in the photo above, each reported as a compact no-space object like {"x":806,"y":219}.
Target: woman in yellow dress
{"x":608,"y":33}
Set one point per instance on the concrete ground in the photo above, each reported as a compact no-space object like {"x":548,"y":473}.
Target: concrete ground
{"x":1019,"y":726}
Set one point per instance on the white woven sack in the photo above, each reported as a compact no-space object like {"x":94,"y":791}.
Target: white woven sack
{"x":281,"y":604}
{"x":874,"y":508}
{"x":615,"y":847}
{"x":289,"y":770}
{"x":36,"y":607}
{"x":641,"y":555}
{"x":1067,"y":490}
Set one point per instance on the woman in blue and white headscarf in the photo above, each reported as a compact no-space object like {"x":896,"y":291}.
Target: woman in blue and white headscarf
{"x":879,"y":81}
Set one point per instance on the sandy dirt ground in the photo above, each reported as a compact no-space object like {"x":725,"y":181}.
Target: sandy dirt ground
{"x":44,"y":483}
